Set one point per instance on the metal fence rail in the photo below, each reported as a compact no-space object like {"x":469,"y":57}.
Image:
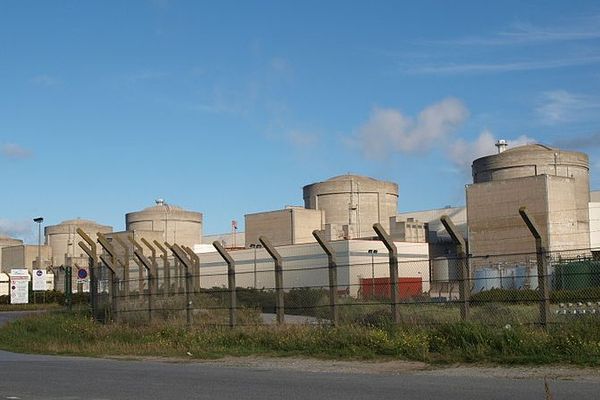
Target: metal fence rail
{"x":499,"y":289}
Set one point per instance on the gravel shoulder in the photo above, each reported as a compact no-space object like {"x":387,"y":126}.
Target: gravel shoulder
{"x":395,"y":367}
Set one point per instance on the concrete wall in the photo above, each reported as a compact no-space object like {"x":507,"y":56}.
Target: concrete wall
{"x":7,"y":242}
{"x":595,"y":196}
{"x":595,"y":225}
{"x":306,"y":265}
{"x":495,"y":226}
{"x":226,"y":239}
{"x":23,"y":256}
{"x":435,"y":230}
{"x":407,"y":230}
{"x":292,"y":225}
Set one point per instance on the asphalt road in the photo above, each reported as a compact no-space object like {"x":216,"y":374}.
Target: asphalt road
{"x":49,"y":377}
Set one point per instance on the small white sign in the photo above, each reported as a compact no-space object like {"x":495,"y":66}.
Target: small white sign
{"x":39,"y":280}
{"x":19,"y":286}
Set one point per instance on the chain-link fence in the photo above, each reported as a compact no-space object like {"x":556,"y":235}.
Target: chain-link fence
{"x":353,"y":288}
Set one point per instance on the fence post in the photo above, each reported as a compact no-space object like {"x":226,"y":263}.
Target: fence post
{"x":150,"y":267}
{"x":389,"y":244}
{"x":111,"y":265}
{"x":181,"y":255}
{"x":279,"y":306}
{"x":79,"y":284}
{"x":542,"y":266}
{"x":333,"y":283}
{"x":463,"y":273}
{"x":166,"y":267}
{"x":91,"y":250}
{"x":154,"y":266}
{"x":69,"y":287}
{"x":178,"y":267}
{"x":196,"y":270}
{"x":125,"y":265}
{"x":230,"y":281}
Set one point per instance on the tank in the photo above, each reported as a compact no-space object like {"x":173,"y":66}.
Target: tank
{"x":444,"y":269}
{"x":486,"y":279}
{"x":538,"y":159}
{"x":63,"y":238}
{"x":507,"y":277}
{"x":178,"y":225}
{"x":526,"y":277}
{"x":355,"y":201}
{"x":577,"y":275}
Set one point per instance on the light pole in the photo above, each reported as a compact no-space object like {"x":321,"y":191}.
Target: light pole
{"x":255,"y":246}
{"x":372,"y":252}
{"x":39,"y":221}
{"x":162,"y":202}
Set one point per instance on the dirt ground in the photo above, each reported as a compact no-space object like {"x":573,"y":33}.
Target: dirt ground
{"x":396,"y":367}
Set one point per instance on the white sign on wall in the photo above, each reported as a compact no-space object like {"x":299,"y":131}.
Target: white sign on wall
{"x":39,"y":280}
{"x":19,"y":286}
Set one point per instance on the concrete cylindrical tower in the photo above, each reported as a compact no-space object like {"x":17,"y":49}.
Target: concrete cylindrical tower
{"x":63,"y":238}
{"x":538,"y":159}
{"x":6,"y":241}
{"x":355,"y":201}
{"x":178,"y":225}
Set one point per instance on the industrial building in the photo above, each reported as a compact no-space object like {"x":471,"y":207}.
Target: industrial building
{"x":554,"y":186}
{"x":6,"y":241}
{"x":25,"y":256}
{"x":292,"y":225}
{"x":176,"y":224}
{"x":352,"y":204}
{"x":305,"y":265}
{"x":63,"y":239}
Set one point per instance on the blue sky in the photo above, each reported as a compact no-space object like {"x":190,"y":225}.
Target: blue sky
{"x":231,"y":107}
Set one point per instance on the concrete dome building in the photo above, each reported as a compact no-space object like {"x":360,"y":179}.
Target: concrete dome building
{"x":6,"y":241}
{"x":177,"y":224}
{"x":63,"y":238}
{"x":354,"y":201}
{"x":552,"y":183}
{"x":539,"y":159}
{"x":533,"y":160}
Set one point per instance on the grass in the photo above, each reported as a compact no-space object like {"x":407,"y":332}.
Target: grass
{"x":575,"y":343}
{"x":29,"y":307}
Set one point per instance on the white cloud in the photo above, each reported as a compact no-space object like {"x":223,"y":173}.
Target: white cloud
{"x":15,"y":151}
{"x":462,"y":153}
{"x":45,"y":80}
{"x":16,"y":229}
{"x":522,"y":33}
{"x":509,"y":66}
{"x":559,"y":106}
{"x":388,"y":130}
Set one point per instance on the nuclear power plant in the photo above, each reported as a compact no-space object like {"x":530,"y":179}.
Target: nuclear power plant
{"x":553,"y":185}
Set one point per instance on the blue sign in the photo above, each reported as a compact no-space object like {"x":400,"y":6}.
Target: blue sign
{"x":82,"y":274}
